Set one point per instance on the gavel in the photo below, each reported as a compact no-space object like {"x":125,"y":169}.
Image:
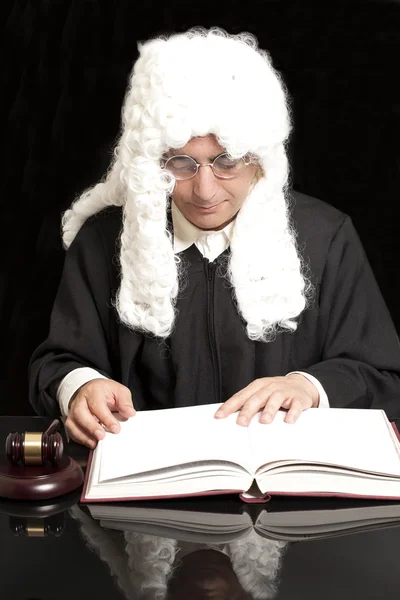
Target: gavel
{"x":35,"y":448}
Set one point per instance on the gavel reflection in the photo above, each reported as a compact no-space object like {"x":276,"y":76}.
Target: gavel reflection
{"x":33,"y":527}
{"x":35,"y":448}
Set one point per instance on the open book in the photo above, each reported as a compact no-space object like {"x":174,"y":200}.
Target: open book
{"x":186,"y":451}
{"x":224,"y":522}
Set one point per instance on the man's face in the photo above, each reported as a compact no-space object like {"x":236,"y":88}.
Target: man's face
{"x":205,"y":200}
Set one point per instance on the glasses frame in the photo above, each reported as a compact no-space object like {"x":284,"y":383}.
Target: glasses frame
{"x":198,"y":165}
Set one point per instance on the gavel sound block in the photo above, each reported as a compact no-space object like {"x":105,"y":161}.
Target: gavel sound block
{"x":37,"y":468}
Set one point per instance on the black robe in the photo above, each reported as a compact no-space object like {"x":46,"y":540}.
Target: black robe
{"x":346,"y":338}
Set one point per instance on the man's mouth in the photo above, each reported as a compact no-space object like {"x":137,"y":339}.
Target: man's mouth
{"x":206,"y":207}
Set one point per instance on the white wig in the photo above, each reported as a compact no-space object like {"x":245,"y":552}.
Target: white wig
{"x":184,"y":86}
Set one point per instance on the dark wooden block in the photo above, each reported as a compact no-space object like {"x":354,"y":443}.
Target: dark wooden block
{"x":39,"y":482}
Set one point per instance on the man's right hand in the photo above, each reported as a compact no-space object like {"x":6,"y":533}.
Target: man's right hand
{"x":91,"y":410}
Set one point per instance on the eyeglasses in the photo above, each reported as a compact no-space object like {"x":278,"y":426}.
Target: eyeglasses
{"x":184,"y":167}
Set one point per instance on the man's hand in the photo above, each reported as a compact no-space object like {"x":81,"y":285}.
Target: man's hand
{"x":91,"y":408}
{"x":294,"y":393}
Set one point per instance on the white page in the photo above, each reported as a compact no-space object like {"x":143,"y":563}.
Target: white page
{"x":329,"y":483}
{"x":165,"y":489}
{"x":162,"y":438}
{"x":354,"y":438}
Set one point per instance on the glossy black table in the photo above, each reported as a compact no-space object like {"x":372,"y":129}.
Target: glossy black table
{"x":77,"y":557}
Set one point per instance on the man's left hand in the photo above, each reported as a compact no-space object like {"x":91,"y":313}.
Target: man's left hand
{"x":294,"y":393}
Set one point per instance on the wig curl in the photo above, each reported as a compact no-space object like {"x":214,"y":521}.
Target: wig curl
{"x":191,"y":85}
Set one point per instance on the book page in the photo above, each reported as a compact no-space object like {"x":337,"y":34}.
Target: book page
{"x":160,"y":439}
{"x":300,"y":520}
{"x":182,"y":519}
{"x":213,"y":535}
{"x":353,"y":438}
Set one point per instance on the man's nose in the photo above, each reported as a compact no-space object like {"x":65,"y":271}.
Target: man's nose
{"x":205,"y":183}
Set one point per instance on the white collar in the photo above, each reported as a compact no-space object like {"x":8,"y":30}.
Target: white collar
{"x":186,"y":234}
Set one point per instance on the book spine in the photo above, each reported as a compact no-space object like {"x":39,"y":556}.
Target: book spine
{"x":255,"y":499}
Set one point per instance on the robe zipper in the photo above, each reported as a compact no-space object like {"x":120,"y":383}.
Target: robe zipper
{"x":210,"y":271}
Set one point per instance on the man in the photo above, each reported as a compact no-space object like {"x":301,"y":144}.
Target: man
{"x":206,"y":278}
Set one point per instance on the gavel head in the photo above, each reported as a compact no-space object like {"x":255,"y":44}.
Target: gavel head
{"x":34,"y":448}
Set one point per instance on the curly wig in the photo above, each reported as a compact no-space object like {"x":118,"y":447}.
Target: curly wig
{"x":191,"y":85}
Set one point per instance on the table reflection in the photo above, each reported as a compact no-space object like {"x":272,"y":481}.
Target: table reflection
{"x":153,"y":567}
{"x":217,"y":548}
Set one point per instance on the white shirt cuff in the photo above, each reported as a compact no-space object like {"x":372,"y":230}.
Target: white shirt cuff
{"x":71,"y":382}
{"x":323,"y":398}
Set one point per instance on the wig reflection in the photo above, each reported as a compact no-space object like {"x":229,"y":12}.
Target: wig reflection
{"x":148,"y":567}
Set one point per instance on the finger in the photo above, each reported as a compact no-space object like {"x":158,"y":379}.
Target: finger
{"x":274,"y":403}
{"x":101,"y":402}
{"x":236,"y":401}
{"x":123,"y":401}
{"x":252,"y":407}
{"x":88,"y":418}
{"x":79,"y":435}
{"x":295,"y":410}
{"x":98,"y":407}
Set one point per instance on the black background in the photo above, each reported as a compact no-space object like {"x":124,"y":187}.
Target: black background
{"x":65,"y":66}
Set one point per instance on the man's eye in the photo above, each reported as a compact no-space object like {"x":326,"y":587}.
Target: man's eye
{"x":182,"y":164}
{"x":226,"y":163}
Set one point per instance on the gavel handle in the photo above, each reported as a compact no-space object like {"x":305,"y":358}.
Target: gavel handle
{"x":52,"y":428}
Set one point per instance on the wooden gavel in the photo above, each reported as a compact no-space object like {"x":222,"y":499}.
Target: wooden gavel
{"x":35,"y":448}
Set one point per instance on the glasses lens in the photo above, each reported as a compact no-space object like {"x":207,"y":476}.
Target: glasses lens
{"x":227,"y":167}
{"x":181,"y":167}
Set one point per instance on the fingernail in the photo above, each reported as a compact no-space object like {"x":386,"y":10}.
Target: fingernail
{"x":92,"y":444}
{"x":266,"y":418}
{"x":99,"y":434}
{"x":219,"y":413}
{"x":115,"y":428}
{"x":242,"y":421}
